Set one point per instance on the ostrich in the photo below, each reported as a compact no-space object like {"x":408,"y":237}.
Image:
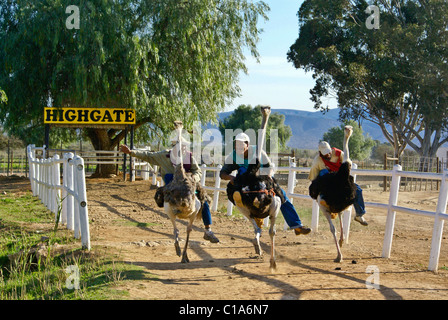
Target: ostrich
{"x":180,"y":197}
{"x":257,"y":196}
{"x":335,"y":192}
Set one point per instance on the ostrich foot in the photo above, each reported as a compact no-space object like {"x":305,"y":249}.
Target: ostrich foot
{"x":178,"y":251}
{"x":185,"y":258}
{"x":338,"y":258}
{"x":257,"y":247}
{"x":273,"y":266}
{"x":237,"y":199}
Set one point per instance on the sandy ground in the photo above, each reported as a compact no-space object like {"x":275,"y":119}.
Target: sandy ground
{"x":126,"y":221}
{"x":126,"y":218}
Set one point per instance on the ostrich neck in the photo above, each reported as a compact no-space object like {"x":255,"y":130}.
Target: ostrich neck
{"x":179,"y":141}
{"x":261,"y":138}
{"x":346,"y":155}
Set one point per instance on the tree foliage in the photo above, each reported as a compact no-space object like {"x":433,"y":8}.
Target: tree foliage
{"x":246,"y":117}
{"x":395,"y":75}
{"x":3,"y":97}
{"x":168,"y":59}
{"x":360,"y":146}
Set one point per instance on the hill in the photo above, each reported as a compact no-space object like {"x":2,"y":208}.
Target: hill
{"x":308,"y":127}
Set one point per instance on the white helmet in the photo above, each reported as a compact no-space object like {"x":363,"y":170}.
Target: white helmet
{"x":242,"y":137}
{"x":324,"y":148}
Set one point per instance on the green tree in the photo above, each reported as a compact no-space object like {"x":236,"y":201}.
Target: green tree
{"x":395,"y":75}
{"x":167,"y":59}
{"x":246,"y":117}
{"x":3,"y":97}
{"x":360,"y":146}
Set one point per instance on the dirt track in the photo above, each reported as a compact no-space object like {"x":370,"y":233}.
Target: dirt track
{"x":125,"y":219}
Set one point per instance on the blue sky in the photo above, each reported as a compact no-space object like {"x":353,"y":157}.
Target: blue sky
{"x":274,"y":81}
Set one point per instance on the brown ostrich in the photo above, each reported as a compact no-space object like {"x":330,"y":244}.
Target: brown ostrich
{"x":335,"y":192}
{"x":181,"y":199}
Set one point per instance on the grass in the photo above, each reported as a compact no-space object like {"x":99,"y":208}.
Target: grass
{"x":61,"y":270}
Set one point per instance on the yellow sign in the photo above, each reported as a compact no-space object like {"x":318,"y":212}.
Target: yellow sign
{"x":89,"y":116}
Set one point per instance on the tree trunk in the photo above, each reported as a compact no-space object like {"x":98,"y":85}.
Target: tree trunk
{"x":102,"y":140}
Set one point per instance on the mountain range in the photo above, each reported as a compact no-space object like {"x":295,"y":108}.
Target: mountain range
{"x":308,"y":127}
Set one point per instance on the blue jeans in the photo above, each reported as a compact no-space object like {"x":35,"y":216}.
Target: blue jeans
{"x":359,"y":206}
{"x":290,"y":214}
{"x":206,"y":214}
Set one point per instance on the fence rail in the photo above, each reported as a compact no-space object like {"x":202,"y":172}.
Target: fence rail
{"x":68,"y":198}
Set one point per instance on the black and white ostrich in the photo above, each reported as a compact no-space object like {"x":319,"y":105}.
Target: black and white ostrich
{"x":180,"y":197}
{"x":258,"y":196}
{"x":336,"y":191}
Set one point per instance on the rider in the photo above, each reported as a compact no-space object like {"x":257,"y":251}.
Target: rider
{"x":329,"y":160}
{"x":163,"y":160}
{"x":239,"y":160}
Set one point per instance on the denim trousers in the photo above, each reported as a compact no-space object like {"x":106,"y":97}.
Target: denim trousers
{"x":289,"y":213}
{"x":206,"y":214}
{"x":359,"y":199}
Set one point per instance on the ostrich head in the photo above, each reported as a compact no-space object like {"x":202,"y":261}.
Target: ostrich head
{"x":265,"y":113}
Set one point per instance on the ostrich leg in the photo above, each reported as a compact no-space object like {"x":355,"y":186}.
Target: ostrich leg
{"x":333,"y":231}
{"x":176,"y":239}
{"x":341,"y":239}
{"x":273,"y":265}
{"x":167,"y":208}
{"x":184,"y":254}
{"x":198,"y":208}
{"x":256,"y":240}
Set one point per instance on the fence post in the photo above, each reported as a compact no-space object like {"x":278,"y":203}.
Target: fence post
{"x":216,"y":192}
{"x":347,"y":216}
{"x":40,"y":187}
{"x":82,"y":201}
{"x":438,"y":224}
{"x":56,"y":183}
{"x":291,"y":181}
{"x":154,"y":176}
{"x":29,"y":153}
{"x":229,"y":207}
{"x":390,"y":220}
{"x":315,"y":216}
{"x":68,"y":183}
{"x":44,"y":179}
{"x":204,"y":174}
{"x":76,"y":222}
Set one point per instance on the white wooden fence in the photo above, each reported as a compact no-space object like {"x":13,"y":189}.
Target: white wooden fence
{"x":45,"y":178}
